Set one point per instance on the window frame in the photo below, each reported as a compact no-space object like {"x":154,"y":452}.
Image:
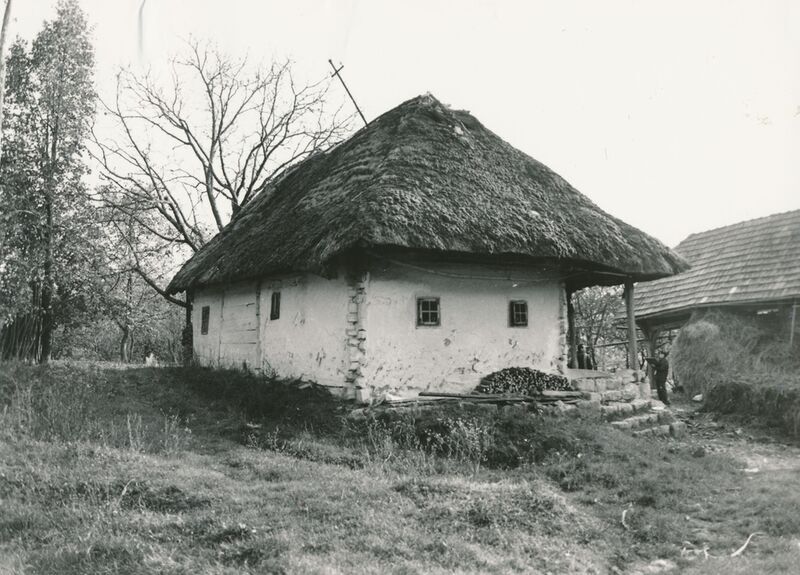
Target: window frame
{"x":437,"y":311}
{"x":513,"y":313}
{"x":205,"y":319}
{"x":275,"y":306}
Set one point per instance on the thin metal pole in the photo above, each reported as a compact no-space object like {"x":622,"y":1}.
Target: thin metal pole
{"x":794,"y":317}
{"x":346,"y":89}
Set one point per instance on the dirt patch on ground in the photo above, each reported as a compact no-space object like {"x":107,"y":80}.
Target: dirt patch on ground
{"x":758,"y":449}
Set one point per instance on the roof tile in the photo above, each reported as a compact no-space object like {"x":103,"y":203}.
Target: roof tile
{"x":753,"y":261}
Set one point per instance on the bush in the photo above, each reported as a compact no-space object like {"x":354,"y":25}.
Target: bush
{"x":470,"y":434}
{"x":288,"y":403}
{"x":774,"y":402}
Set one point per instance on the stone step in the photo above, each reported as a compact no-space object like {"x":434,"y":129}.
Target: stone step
{"x":628,"y":392}
{"x":675,"y":429}
{"x":621,"y":409}
{"x":591,"y":384}
{"x":600,"y":384}
{"x":648,"y":419}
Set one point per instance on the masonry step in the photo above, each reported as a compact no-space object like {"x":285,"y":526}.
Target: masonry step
{"x":644,"y":420}
{"x":628,"y":392}
{"x":623,"y":409}
{"x":651,"y":419}
{"x":599,"y":381}
{"x":675,"y":429}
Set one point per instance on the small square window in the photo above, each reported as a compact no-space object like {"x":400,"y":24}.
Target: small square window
{"x":518,"y":314}
{"x":275,"y":308}
{"x":205,"y":313}
{"x":428,"y":311}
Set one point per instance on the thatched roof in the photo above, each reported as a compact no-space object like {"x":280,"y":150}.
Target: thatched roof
{"x":750,"y":263}
{"x":422,"y":176}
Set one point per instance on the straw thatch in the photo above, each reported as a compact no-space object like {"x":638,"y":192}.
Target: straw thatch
{"x":422,"y":176}
{"x":746,"y":264}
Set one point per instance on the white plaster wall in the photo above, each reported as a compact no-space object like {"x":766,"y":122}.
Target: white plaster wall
{"x":232,"y":338}
{"x":308,"y":341}
{"x":238,"y":344}
{"x":474,"y":338}
{"x":206,"y":347}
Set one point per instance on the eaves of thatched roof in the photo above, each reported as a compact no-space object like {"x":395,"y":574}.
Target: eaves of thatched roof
{"x":422,"y":176}
{"x":752,"y":263}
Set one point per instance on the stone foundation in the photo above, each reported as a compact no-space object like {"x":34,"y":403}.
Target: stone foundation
{"x":623,"y":399}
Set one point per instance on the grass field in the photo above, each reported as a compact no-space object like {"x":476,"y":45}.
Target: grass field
{"x":111,"y":470}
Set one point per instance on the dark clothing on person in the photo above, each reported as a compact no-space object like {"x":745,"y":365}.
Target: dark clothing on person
{"x":660,"y":369}
{"x":581,"y":358}
{"x":660,"y":372}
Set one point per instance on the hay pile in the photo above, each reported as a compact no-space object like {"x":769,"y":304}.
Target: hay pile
{"x":742,"y":364}
{"x":522,"y":381}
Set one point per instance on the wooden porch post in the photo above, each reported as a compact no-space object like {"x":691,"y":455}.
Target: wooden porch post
{"x":633,"y":359}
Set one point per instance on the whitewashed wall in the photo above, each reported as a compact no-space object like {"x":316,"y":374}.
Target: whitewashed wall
{"x":232,"y":338}
{"x":474,"y":338}
{"x":308,"y":341}
{"x":311,"y":338}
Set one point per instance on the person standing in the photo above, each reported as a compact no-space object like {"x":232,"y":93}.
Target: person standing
{"x":581,"y":357}
{"x":660,"y":371}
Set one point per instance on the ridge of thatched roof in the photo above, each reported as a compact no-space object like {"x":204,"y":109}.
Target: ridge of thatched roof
{"x":749,"y":263}
{"x":422,"y":176}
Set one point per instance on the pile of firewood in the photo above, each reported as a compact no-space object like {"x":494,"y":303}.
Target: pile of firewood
{"x":522,"y":381}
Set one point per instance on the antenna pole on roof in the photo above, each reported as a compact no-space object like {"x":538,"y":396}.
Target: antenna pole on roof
{"x":336,"y":73}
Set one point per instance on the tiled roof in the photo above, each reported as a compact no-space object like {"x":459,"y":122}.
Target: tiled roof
{"x":757,"y":261}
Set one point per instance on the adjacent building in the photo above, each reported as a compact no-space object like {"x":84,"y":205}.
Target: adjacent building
{"x":752,"y":267}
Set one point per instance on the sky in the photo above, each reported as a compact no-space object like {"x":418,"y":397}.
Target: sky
{"x":676,"y":116}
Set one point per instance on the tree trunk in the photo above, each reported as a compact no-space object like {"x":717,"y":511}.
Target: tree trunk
{"x":125,"y":345}
{"x":47,"y":283}
{"x":3,"y":33}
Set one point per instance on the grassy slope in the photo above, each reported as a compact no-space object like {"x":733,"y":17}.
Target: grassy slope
{"x":163,"y":475}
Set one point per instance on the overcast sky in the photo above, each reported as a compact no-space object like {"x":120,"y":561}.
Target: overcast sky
{"x":676,"y":116}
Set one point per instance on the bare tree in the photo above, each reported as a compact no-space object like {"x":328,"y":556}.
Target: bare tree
{"x":3,"y":33}
{"x":188,"y":157}
{"x":597,"y":308}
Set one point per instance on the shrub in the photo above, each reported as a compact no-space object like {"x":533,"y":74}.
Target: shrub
{"x":472,"y":435}
{"x":774,"y":402}
{"x":288,"y":403}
